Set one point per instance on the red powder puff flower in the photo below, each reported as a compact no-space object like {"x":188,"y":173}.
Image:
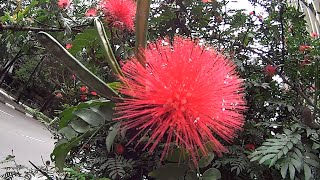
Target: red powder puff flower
{"x":94,"y":93}
{"x":92,"y":12}
{"x":68,"y":46}
{"x":314,"y":35}
{"x":64,"y":4}
{"x":304,"y":48}
{"x":119,"y":149}
{"x":84,"y":89}
{"x":270,"y":70}
{"x":250,"y":147}
{"x":120,"y":13}
{"x":184,"y":94}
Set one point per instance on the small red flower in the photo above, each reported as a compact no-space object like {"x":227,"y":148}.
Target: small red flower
{"x":270,"y":70}
{"x":250,"y":147}
{"x":64,"y":4}
{"x":184,"y":97}
{"x":219,"y":19}
{"x":304,"y":48}
{"x":252,"y":13}
{"x":92,"y":12}
{"x":84,"y":89}
{"x":68,"y":46}
{"x":205,"y":1}
{"x":305,"y":62}
{"x":83,"y":97}
{"x":120,"y":13}
{"x":314,"y":35}
{"x":119,"y":149}
{"x":94,"y":93}
{"x":59,"y":95}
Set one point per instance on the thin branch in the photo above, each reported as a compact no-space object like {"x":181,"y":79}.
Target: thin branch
{"x":35,"y":29}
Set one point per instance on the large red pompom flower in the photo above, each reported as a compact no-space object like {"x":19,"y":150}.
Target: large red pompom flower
{"x":120,"y":13}
{"x":186,"y":94}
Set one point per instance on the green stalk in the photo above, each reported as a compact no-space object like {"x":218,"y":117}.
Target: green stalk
{"x":316,"y":84}
{"x":85,"y":75}
{"x":110,"y":58}
{"x":141,"y":28}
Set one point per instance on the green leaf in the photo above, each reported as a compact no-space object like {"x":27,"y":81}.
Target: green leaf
{"x":83,"y":40}
{"x":61,"y":151}
{"x":206,"y":160}
{"x":170,"y":171}
{"x":297,"y":164}
{"x":90,"y":116}
{"x":191,"y":175}
{"x":67,"y":115}
{"x":315,"y":146}
{"x":289,"y":145}
{"x":110,"y":58}
{"x":211,"y":174}
{"x":292,"y":171}
{"x":266,"y":157}
{"x":307,"y":172}
{"x":86,"y":76}
{"x":112,"y":135}
{"x":284,"y":169}
{"x":177,"y":155}
{"x":68,"y":132}
{"x":80,"y":126}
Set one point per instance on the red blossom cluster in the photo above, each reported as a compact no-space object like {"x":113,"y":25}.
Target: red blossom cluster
{"x":120,"y":13}
{"x":304,"y":48}
{"x":92,"y":12}
{"x":64,"y":4}
{"x":182,"y":98}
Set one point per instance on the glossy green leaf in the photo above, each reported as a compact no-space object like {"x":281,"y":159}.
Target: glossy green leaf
{"x":191,"y":175}
{"x":61,"y":151}
{"x":80,"y":126}
{"x":206,"y":160}
{"x":67,"y":115}
{"x":211,"y":174}
{"x":68,"y":132}
{"x":112,"y":135}
{"x":89,"y":116}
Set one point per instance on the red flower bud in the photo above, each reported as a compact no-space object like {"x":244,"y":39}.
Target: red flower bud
{"x":270,"y":70}
{"x":68,"y":46}
{"x":250,"y":147}
{"x":94,"y":93}
{"x":314,"y":35}
{"x":119,"y":149}
{"x":83,"y":97}
{"x":84,"y":89}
